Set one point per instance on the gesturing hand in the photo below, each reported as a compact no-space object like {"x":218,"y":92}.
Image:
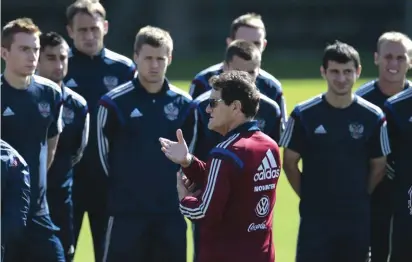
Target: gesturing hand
{"x":176,"y":151}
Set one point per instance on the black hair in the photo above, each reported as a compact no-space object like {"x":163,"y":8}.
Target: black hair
{"x":243,"y":49}
{"x":238,"y":85}
{"x":341,"y":53}
{"x":52,"y":39}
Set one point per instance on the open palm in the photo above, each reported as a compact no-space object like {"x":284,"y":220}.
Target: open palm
{"x":175,"y":151}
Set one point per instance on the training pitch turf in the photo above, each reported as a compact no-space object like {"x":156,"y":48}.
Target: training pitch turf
{"x":286,"y":219}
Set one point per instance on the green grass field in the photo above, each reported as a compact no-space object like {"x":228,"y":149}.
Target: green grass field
{"x":286,"y":220}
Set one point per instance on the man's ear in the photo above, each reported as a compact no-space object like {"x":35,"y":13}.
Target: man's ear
{"x":237,"y":105}
{"x":265,"y":44}
{"x":4,"y":53}
{"x":135,"y":57}
{"x":358,"y":71}
{"x":106,"y":27}
{"x":410,"y":62}
{"x":322,"y":71}
{"x":70,"y":31}
{"x":228,"y":41}
{"x":170,"y":58}
{"x":225,"y":66}
{"x":376,"y":58}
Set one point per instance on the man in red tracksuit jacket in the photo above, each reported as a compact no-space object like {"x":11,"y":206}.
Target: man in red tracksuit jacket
{"x":235,"y":208}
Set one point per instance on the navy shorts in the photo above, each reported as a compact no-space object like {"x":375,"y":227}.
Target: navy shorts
{"x":149,"y":239}
{"x":323,"y":240}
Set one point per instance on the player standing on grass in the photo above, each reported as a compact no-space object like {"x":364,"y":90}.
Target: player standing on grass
{"x":145,"y":223}
{"x":31,"y":122}
{"x":398,"y":110}
{"x":15,"y":198}
{"x":249,"y":27}
{"x":393,"y":58}
{"x":53,"y":63}
{"x":93,"y":71}
{"x":343,"y":143}
{"x":235,"y":219}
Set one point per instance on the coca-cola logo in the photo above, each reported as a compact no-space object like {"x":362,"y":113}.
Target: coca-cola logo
{"x":255,"y":227}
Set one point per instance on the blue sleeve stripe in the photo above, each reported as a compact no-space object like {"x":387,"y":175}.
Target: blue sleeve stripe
{"x":384,"y":140}
{"x":111,"y":103}
{"x":227,"y":153}
{"x":203,"y":80}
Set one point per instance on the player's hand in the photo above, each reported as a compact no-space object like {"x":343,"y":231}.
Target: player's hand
{"x":70,"y":254}
{"x":177,"y":152}
{"x":188,"y":183}
{"x":182,"y":191}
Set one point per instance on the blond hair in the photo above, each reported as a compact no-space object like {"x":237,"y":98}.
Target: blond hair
{"x":396,"y":37}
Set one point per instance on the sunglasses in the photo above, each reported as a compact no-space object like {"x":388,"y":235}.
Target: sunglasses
{"x":213,"y":102}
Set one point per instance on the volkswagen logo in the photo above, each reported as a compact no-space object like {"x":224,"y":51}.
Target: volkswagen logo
{"x":262,"y":207}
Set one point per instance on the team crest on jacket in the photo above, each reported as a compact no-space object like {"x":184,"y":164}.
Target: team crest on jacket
{"x":356,"y":130}
{"x":171,"y":111}
{"x":44,"y":109}
{"x":67,"y":115}
{"x":110,"y":82}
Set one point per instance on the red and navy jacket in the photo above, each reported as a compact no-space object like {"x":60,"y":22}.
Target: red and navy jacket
{"x":130,"y":121}
{"x":265,"y":82}
{"x":235,"y":211}
{"x":268,"y":119}
{"x":15,"y":195}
